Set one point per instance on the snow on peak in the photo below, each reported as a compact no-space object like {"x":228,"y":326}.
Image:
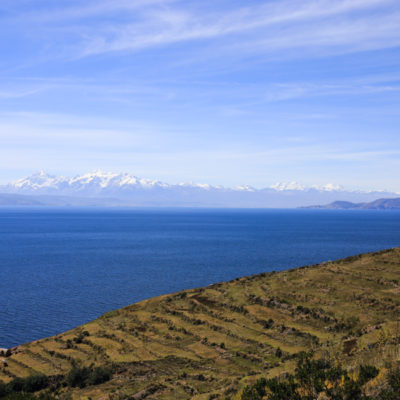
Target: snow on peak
{"x":329,"y":187}
{"x":204,"y":186}
{"x":280,"y":186}
{"x":245,"y":188}
{"x":98,"y":177}
{"x":36,"y":181}
{"x":96,"y":181}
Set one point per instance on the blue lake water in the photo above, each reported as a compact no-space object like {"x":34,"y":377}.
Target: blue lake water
{"x":61,"y":268}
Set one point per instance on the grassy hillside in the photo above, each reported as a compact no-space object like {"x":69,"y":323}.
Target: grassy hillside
{"x":211,"y":342}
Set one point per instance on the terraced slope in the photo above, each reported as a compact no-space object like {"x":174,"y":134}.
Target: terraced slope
{"x":208,"y":342}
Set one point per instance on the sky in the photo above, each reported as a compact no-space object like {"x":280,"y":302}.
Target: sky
{"x":223,"y":92}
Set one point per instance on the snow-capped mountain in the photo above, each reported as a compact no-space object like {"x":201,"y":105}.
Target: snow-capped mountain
{"x":89,"y":184}
{"x":125,"y":189}
{"x":329,"y":187}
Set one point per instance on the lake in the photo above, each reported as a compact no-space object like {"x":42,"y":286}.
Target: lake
{"x":60,"y":268}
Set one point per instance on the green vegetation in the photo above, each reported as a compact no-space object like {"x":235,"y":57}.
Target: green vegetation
{"x":315,"y":379}
{"x":247,"y":337}
{"x":22,"y":388}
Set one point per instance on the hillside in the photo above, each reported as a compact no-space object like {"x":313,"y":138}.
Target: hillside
{"x":380,"y":204}
{"x":208,"y":343}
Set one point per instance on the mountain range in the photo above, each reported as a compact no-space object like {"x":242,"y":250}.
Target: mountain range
{"x":111,"y":189}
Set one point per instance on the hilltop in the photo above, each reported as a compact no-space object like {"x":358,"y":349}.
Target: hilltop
{"x":209,"y":343}
{"x":379,"y":204}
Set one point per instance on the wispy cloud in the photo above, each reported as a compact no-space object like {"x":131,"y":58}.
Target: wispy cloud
{"x":270,"y":27}
{"x":123,"y":26}
{"x":15,"y":94}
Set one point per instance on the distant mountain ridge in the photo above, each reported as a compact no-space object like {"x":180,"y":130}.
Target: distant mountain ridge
{"x":99,"y":181}
{"x":112,"y":189}
{"x":379,"y":204}
{"x":11,"y":199}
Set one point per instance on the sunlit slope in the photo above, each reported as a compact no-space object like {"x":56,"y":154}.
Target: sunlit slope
{"x":211,"y":340}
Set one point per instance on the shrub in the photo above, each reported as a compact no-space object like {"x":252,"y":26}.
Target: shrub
{"x":78,"y":377}
{"x":260,"y":386}
{"x":286,"y":390}
{"x":394,"y":380}
{"x":315,"y":377}
{"x":21,"y":388}
{"x":3,"y":389}
{"x":367,"y":372}
{"x":99,"y":375}
{"x":29,"y":384}
{"x":352,"y":390}
{"x":250,"y":393}
{"x":393,"y":391}
{"x":86,"y":376}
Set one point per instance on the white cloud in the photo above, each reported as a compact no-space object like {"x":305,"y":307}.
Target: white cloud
{"x":271,"y":27}
{"x":106,"y":26}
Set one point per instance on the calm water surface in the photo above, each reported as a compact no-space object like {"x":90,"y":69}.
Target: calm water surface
{"x":61,"y":268}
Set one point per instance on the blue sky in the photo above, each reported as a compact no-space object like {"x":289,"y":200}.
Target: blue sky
{"x":223,"y":92}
